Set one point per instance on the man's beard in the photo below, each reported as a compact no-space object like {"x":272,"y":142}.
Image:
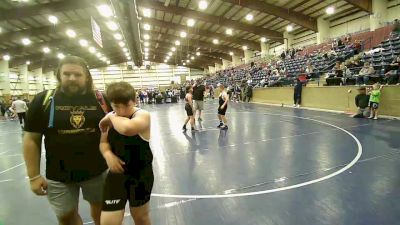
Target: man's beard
{"x":73,"y":89}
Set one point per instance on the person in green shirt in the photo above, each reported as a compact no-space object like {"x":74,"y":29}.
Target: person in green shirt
{"x":374,"y":99}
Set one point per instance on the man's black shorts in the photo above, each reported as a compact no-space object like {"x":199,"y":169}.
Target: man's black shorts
{"x":222,"y":111}
{"x":120,"y":188}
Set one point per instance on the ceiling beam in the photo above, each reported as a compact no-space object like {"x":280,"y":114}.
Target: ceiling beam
{"x":365,"y":5}
{"x":46,"y":30}
{"x":191,"y":49}
{"x":271,"y":9}
{"x":173,"y":26}
{"x":162,"y":51}
{"x":43,"y":9}
{"x":221,"y":21}
{"x":196,"y":43}
{"x":127,"y":11}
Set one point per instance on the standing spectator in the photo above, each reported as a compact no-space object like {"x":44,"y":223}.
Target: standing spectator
{"x":248,"y":93}
{"x":198,"y":98}
{"x":20,"y":109}
{"x":361,"y":101}
{"x":283,"y":55}
{"x":365,"y":72}
{"x":297,"y":93}
{"x":374,"y":100}
{"x":2,"y":109}
{"x":70,"y":125}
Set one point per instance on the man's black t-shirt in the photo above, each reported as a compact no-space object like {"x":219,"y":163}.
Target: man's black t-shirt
{"x":198,"y":92}
{"x":72,"y":145}
{"x":362,"y":100}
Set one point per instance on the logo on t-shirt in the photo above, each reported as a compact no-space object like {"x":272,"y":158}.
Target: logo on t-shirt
{"x":77,"y":119}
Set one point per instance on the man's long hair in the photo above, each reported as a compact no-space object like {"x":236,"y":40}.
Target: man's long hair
{"x":75,"y":60}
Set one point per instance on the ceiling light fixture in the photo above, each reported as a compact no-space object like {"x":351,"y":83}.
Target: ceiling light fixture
{"x":121,"y":44}
{"x":173,"y":49}
{"x":6,"y":57}
{"x":105,"y":10}
{"x":188,"y":61}
{"x":229,"y":31}
{"x":203,"y":5}
{"x":112,"y":25}
{"x":197,"y":53}
{"x":60,"y":56}
{"x":118,"y":36}
{"x":98,"y":55}
{"x":183,"y":34}
{"x":125,"y":49}
{"x":146,"y":12}
{"x":146,"y":37}
{"x":231,"y":53}
{"x":177,"y":42}
{"x":330,"y":10}
{"x":146,"y":49}
{"x":146,"y":26}
{"x":146,"y":44}
{"x":244,"y":47}
{"x":263,"y":39}
{"x":249,"y":17}
{"x":46,"y":50}
{"x":70,"y":33}
{"x":192,"y":57}
{"x":184,"y":64}
{"x":92,"y":50}
{"x":26,"y":41}
{"x":170,"y":53}
{"x":289,"y":28}
{"x":215,"y":41}
{"x":28,"y":62}
{"x":83,"y":43}
{"x":190,"y":22}
{"x":53,"y":19}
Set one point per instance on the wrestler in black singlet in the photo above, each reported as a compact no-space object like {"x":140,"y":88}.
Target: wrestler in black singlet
{"x":136,"y":183}
{"x":188,"y":108}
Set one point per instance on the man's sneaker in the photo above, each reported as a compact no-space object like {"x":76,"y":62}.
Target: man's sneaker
{"x":224,"y":127}
{"x":220,"y":125}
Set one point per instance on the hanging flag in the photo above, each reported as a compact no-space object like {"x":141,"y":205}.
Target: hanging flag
{"x":96,"y":32}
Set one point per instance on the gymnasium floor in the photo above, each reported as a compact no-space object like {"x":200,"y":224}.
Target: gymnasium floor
{"x":274,"y":165}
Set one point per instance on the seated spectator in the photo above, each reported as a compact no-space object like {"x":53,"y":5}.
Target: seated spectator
{"x":392,"y":76}
{"x":362,"y":100}
{"x":396,"y":29}
{"x":337,"y":70}
{"x":357,"y":47}
{"x":365,"y":72}
{"x":347,"y":39}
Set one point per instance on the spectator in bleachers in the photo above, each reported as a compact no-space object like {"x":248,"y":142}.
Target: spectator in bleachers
{"x":396,"y":29}
{"x":362,"y":100}
{"x":357,"y":47}
{"x":392,"y":76}
{"x":365,"y":72}
{"x":283,"y":55}
{"x":310,"y":70}
{"x":347,"y":39}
